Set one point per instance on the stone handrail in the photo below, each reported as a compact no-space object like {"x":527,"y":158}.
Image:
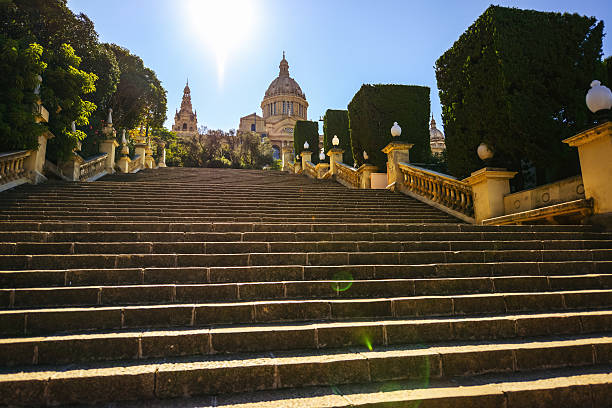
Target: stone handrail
{"x":93,"y":167}
{"x":134,"y":164}
{"x":12,"y":166}
{"x":439,"y":188}
{"x":347,"y":175}
{"x":310,"y":170}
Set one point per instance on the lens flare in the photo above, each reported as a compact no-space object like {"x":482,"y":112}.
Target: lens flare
{"x":343,"y":280}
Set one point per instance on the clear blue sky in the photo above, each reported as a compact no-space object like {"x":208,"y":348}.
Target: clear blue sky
{"x":333,"y":46}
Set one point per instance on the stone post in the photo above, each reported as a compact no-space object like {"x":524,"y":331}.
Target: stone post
{"x":397,"y":152}
{"x":595,"y":152}
{"x":306,"y":156}
{"x":162,"y":159}
{"x":35,"y":162}
{"x":335,"y":156}
{"x":140,"y":152}
{"x":108,"y":146}
{"x":72,"y":167}
{"x":489,"y":186}
{"x":286,"y":156}
{"x":124,"y":161}
{"x":365,"y":173}
{"x":149,"y":160}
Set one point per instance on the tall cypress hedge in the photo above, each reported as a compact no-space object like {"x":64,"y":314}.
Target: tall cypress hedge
{"x":306,"y":130}
{"x":516,"y":80}
{"x":372,"y":112}
{"x":336,"y":122}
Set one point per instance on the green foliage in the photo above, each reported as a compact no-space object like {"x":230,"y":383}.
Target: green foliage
{"x":140,"y":98}
{"x":20,"y":65}
{"x":306,"y":131}
{"x":64,"y":84}
{"x":372,"y":112}
{"x":336,"y":122}
{"x":516,"y":80}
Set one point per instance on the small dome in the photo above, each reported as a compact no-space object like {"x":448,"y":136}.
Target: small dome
{"x":284,"y":84}
{"x":435,"y":134}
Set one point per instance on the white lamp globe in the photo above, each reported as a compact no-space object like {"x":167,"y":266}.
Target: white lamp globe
{"x":306,"y":145}
{"x":599,"y":97}
{"x":484,"y":152}
{"x":396,"y":130}
{"x":335,"y":141}
{"x":322,"y":155}
{"x":365,"y":155}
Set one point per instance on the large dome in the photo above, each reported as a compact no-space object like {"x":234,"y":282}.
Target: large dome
{"x":284,"y":84}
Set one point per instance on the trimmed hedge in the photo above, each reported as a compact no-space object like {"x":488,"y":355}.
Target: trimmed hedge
{"x":516,"y":80}
{"x":336,"y":122}
{"x":306,"y":130}
{"x":372,"y":112}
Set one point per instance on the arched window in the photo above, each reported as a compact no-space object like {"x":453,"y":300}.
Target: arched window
{"x":184,"y":126}
{"x":276,"y":152}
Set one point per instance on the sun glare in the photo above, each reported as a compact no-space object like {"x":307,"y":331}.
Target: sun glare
{"x":223,"y":26}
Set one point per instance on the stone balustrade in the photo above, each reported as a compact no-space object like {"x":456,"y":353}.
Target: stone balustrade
{"x":135,"y":165}
{"x":310,"y":170}
{"x":442,"y":191}
{"x":12,"y":168}
{"x":93,"y":168}
{"x":347,"y":175}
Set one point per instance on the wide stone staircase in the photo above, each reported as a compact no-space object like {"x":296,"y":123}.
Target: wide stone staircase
{"x":234,"y":288}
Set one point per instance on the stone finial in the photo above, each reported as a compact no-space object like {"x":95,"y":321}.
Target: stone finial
{"x":38,"y":83}
{"x":109,"y":120}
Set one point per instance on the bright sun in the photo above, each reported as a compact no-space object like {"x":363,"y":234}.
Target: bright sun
{"x":223,"y":25}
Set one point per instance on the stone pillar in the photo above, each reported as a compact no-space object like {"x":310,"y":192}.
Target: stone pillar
{"x":162,"y":159}
{"x":140,"y":151}
{"x":149,"y":160}
{"x":489,"y":186}
{"x":306,"y":156}
{"x":108,"y":146}
{"x":335,"y":156}
{"x":397,"y":152}
{"x":72,"y":167}
{"x":595,"y":152}
{"x":286,"y":156}
{"x":124,"y":161}
{"x":35,"y":162}
{"x":365,"y":173}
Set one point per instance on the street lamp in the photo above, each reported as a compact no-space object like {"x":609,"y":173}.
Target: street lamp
{"x":335,"y":141}
{"x":396,"y":130}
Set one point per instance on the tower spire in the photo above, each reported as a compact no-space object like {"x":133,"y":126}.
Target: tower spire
{"x":284,"y":66}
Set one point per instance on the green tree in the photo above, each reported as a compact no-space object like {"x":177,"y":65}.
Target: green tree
{"x":63,"y":85}
{"x":20,"y":66}
{"x":306,"y":131}
{"x":336,"y":122}
{"x":516,"y":80}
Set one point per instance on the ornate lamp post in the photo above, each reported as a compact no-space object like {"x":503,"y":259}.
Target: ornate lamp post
{"x":599,"y":101}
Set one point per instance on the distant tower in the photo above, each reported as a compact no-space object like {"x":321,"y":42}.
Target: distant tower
{"x":185,"y":119}
{"x":436,"y":138}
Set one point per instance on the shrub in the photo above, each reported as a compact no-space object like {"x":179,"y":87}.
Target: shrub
{"x":516,"y":80}
{"x":372,"y":112}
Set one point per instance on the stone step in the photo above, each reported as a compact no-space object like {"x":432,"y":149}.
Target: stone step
{"x":429,"y":230}
{"x":576,"y":388}
{"x":224,"y":247}
{"x":212,"y":375}
{"x":112,"y":260}
{"x":114,"y":295}
{"x":38,"y":321}
{"x":151,"y":344}
{"x":502,"y":271}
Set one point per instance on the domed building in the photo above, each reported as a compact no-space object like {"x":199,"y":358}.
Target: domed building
{"x":284,"y":103}
{"x":436,"y":138}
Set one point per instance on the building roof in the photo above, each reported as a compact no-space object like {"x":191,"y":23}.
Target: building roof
{"x":284,"y":84}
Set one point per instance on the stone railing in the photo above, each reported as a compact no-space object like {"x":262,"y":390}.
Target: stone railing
{"x":310,"y":170}
{"x":93,"y":168}
{"x":135,"y":164}
{"x":12,"y":168}
{"x":438,"y":188}
{"x":561,"y":191}
{"x":289,"y":166}
{"x":347,"y":175}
